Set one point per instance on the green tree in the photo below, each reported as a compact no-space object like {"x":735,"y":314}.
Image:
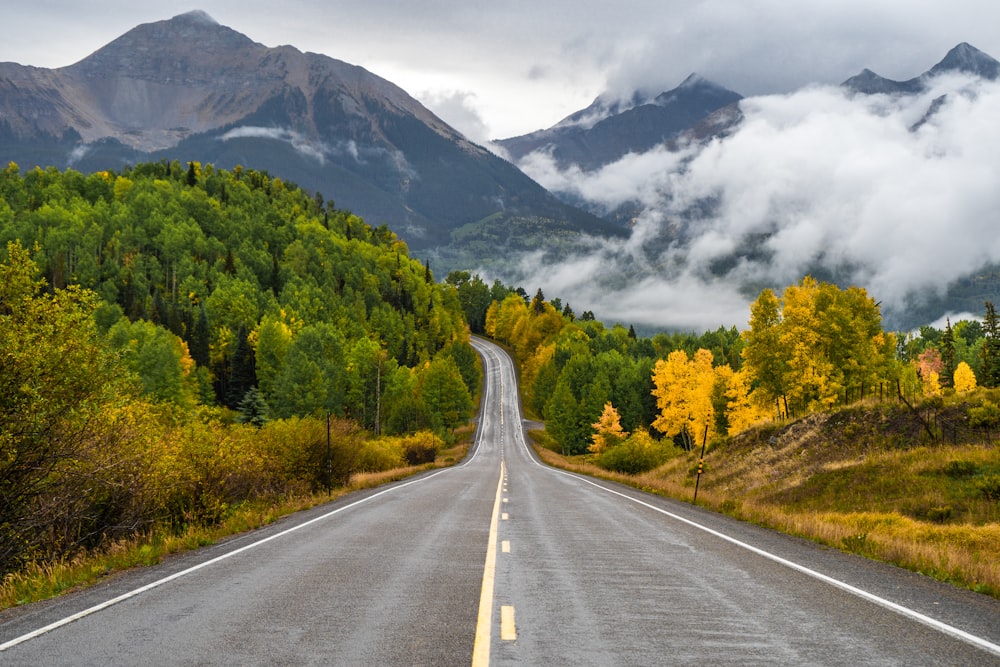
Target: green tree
{"x":312,"y":379}
{"x":253,"y":409}
{"x":990,"y":375}
{"x":58,"y":382}
{"x":948,"y":353}
{"x":444,"y":394}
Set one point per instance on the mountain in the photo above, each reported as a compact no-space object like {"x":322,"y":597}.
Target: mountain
{"x":609,"y":129}
{"x":190,"y":89}
{"x":964,"y":58}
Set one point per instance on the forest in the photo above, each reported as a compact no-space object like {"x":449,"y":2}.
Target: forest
{"x":632,"y":402}
{"x":179,"y":341}
{"x":174,"y":339}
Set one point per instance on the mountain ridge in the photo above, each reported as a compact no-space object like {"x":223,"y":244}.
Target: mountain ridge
{"x":191,"y":89}
{"x":608,"y":129}
{"x":963,"y":58}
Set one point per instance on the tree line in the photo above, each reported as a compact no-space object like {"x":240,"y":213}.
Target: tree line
{"x":175,"y":337}
{"x":632,"y":401}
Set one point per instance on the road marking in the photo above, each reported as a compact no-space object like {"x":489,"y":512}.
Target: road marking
{"x":177,"y":575}
{"x":940,"y":626}
{"x":505,"y":500}
{"x":484,"y":623}
{"x":505,"y":546}
{"x":508,"y":630}
{"x":503,"y":517}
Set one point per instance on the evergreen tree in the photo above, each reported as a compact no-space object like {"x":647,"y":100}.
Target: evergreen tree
{"x":199,"y":341}
{"x":253,"y":409}
{"x":948,"y":353}
{"x":991,"y":347}
{"x":538,"y":303}
{"x":242,"y":375}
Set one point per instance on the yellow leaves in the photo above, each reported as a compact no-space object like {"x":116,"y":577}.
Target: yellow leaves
{"x":965,"y":378}
{"x":608,"y":430}
{"x":683,"y":389}
{"x":816,"y":345}
{"x":932,"y":384}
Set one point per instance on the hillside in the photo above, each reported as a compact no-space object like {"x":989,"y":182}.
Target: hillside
{"x":190,"y":89}
{"x":182,"y":345}
{"x":868,"y":479}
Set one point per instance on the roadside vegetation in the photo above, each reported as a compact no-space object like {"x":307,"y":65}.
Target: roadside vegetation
{"x":183,"y":351}
{"x":814,"y":421}
{"x":188,"y":353}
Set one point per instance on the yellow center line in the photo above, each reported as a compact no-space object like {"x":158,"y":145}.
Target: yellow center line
{"x":484,"y":624}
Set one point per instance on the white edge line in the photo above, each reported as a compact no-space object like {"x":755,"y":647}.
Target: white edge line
{"x":177,"y":575}
{"x":940,"y":626}
{"x":871,"y":597}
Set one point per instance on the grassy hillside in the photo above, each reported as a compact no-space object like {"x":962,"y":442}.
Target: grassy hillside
{"x":916,"y":487}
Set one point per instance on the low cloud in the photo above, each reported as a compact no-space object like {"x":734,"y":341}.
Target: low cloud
{"x":458,"y":109}
{"x":869,"y":189}
{"x":315,"y":150}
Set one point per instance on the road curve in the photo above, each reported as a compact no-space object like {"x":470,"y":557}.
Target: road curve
{"x":501,"y":560}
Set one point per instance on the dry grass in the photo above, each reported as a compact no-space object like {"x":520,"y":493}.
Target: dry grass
{"x":865,"y":480}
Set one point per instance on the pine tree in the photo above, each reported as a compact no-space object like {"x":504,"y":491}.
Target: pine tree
{"x":991,"y":347}
{"x":199,"y":344}
{"x":948,"y":353}
{"x":253,"y":409}
{"x":538,"y":303}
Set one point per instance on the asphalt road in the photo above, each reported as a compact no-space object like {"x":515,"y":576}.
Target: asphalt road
{"x":501,"y":560}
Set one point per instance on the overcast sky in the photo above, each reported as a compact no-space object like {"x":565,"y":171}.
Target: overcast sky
{"x":498,"y":68}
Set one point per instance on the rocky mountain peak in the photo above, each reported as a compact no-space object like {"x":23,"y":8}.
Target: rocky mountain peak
{"x":186,"y":43}
{"x":967,"y":58}
{"x":963,"y":58}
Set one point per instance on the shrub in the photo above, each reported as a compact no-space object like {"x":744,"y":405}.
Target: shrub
{"x":989,"y":487}
{"x":380,"y":454}
{"x":635,"y":455}
{"x":985,"y":416}
{"x":421,"y":448}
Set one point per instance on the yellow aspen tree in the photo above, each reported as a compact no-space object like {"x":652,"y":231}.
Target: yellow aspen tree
{"x":744,"y":407}
{"x":608,"y":430}
{"x":670,"y":382}
{"x":965,"y":378}
{"x":702,"y":419}
{"x":683,"y":390}
{"x":932,"y":384}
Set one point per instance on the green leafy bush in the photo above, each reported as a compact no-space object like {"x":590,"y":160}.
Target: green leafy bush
{"x":635,"y":455}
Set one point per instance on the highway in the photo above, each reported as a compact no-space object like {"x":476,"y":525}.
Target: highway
{"x":501,"y":560}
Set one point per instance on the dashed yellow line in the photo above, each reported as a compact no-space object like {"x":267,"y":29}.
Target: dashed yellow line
{"x":505,"y":546}
{"x":508,"y":629}
{"x":484,"y":623}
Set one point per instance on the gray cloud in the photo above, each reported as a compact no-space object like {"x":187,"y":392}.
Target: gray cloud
{"x":529,"y":64}
{"x":816,"y":179}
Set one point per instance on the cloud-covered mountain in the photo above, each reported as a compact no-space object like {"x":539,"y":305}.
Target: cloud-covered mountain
{"x":964,"y":59}
{"x":191,"y":89}
{"x":892,"y":188}
{"x":609,"y":129}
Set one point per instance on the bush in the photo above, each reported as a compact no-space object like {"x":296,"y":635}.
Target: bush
{"x":635,"y":455}
{"x":380,"y":454}
{"x":989,"y":487}
{"x":985,"y":416}
{"x":421,"y":448}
